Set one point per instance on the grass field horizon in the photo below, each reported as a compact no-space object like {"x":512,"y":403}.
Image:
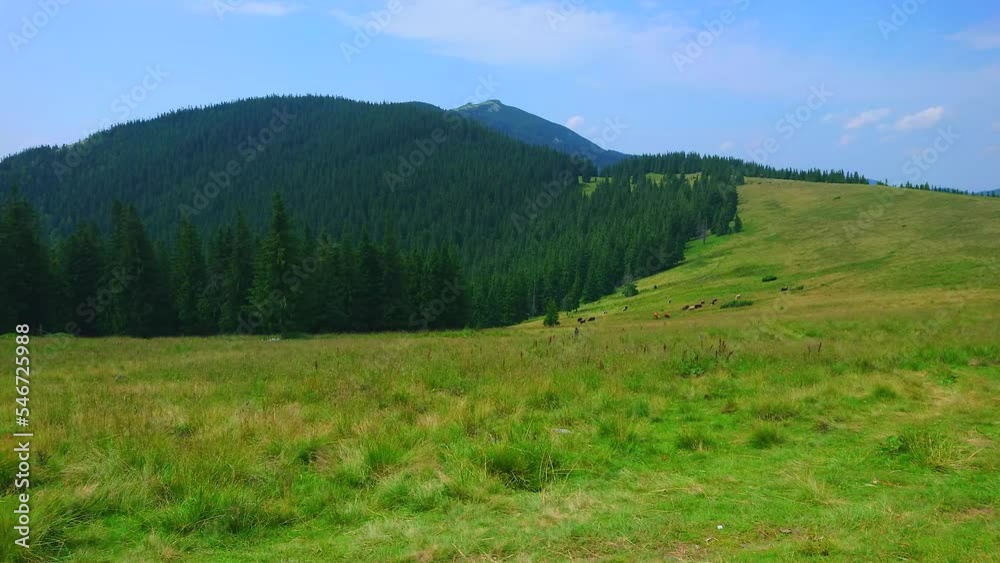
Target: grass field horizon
{"x":850,"y":417}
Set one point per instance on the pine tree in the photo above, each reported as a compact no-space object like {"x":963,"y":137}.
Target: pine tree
{"x":237,"y":275}
{"x":25,"y":278}
{"x":369,"y":292}
{"x":82,"y":269}
{"x":275,"y":280}
{"x":189,"y":279}
{"x":140,"y":303}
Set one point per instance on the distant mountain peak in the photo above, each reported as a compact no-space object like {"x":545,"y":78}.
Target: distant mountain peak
{"x":488,"y":105}
{"x":532,"y":129}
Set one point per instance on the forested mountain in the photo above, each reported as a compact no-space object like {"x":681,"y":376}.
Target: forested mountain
{"x":323,"y":214}
{"x":534,"y":130}
{"x":338,"y":162}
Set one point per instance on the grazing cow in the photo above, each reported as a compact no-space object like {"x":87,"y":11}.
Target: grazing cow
{"x":656,"y":316}
{"x":666,"y":315}
{"x":625,"y":308}
{"x":738,"y":296}
{"x":784,"y":288}
{"x":714,"y":301}
{"x":654,"y":287}
{"x":579,"y":319}
{"x":669,"y":301}
{"x":604,"y":313}
{"x":686,"y":307}
{"x":591,"y":319}
{"x":698,"y":306}
{"x":702,"y":302}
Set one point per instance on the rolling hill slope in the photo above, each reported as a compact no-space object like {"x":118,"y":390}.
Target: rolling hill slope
{"x":863,"y":248}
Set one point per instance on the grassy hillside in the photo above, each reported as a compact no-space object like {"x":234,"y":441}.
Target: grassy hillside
{"x":867,"y":244}
{"x":852,"y":419}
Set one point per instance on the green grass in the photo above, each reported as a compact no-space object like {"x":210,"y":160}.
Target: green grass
{"x":854,"y":419}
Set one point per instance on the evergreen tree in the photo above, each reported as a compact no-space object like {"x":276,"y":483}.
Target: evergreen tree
{"x":237,"y":275}
{"x":275,"y":281}
{"x":25,"y":282}
{"x":82,"y":270}
{"x":189,"y":279}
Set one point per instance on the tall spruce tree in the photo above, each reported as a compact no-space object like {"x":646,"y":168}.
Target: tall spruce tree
{"x":276,"y":280}
{"x":189,"y":280}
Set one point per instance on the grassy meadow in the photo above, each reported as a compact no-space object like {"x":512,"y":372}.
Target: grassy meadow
{"x":853,"y":417}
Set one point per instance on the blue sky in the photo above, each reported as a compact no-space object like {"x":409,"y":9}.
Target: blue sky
{"x":899,"y":90}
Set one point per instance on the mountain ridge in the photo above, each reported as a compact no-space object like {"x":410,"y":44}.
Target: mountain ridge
{"x":535,"y":130}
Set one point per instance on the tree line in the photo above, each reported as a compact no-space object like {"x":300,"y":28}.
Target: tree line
{"x":285,"y":279}
{"x":690,"y":162}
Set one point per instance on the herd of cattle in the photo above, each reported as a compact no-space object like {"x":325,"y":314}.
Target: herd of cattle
{"x":665,"y":315}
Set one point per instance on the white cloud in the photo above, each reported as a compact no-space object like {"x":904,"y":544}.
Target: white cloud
{"x":726,"y":146}
{"x":980,"y":39}
{"x":627,"y":45}
{"x":575,"y":122}
{"x":920,"y":120}
{"x":265,"y":8}
{"x":867,"y":118}
{"x":259,"y":8}
{"x":541,"y":32}
{"x":836,"y":116}
{"x":846,"y":140}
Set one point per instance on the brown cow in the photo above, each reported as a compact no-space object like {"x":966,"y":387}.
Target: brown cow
{"x":666,"y":315}
{"x":656,"y":316}
{"x":591,"y":319}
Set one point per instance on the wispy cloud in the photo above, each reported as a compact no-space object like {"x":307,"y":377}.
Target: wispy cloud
{"x":979,"y":38}
{"x":265,"y":8}
{"x":846,"y":140}
{"x":575,"y":122}
{"x":920,"y":120}
{"x":834,"y":117}
{"x":504,"y":31}
{"x":867,"y":118}
{"x":726,"y":146}
{"x":256,"y":8}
